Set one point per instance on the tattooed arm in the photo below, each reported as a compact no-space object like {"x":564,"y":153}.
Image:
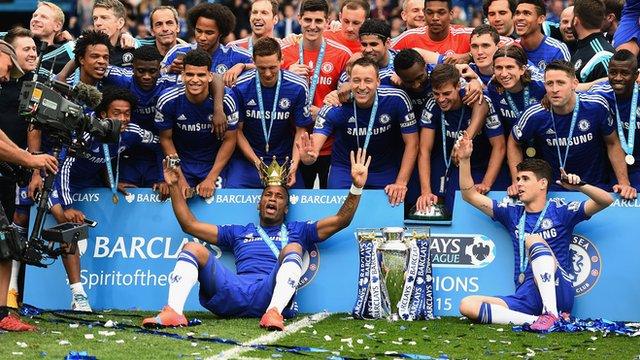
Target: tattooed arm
{"x":359,"y":171}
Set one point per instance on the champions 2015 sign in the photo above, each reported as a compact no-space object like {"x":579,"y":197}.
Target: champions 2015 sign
{"x":128,"y":257}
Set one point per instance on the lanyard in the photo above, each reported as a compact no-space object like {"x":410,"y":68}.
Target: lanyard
{"x":574,"y":118}
{"x":523,"y":259}
{"x":447,"y":159}
{"x":372,"y":119}
{"x":263,"y":121}
{"x":113,"y":181}
{"x":316,"y":71}
{"x":627,"y":144}
{"x":284,"y":238}
{"x":512,"y":104}
{"x":250,"y":44}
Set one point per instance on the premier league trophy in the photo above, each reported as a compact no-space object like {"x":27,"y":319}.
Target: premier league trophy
{"x":395,"y":274}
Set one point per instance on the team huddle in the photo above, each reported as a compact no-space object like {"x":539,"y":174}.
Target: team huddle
{"x":438,"y":109}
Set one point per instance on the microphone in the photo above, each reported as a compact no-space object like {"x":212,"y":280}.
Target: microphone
{"x":88,"y":94}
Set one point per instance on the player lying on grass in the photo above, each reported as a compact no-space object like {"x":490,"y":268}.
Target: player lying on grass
{"x":268,"y":254}
{"x":541,"y":228}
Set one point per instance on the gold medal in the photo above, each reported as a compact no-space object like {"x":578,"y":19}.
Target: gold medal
{"x":115,"y":199}
{"x":521,"y":278}
{"x":629,"y":159}
{"x":531,"y":151}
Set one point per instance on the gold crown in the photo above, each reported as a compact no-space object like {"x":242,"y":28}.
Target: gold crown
{"x":274,"y":174}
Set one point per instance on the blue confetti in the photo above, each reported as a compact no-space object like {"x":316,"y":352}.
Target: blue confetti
{"x":577,"y":325}
{"x":79,"y":355}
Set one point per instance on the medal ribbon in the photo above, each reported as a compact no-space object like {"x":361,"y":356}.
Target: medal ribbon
{"x":408,"y":288}
{"x":628,"y":144}
{"x":447,"y":158}
{"x":263,"y":121}
{"x":113,"y":181}
{"x":284,"y":238}
{"x":366,"y":251}
{"x":372,"y":119}
{"x":316,"y":71}
{"x":574,"y":118}
{"x":523,"y":259}
{"x":427,"y":285}
{"x":512,"y":104}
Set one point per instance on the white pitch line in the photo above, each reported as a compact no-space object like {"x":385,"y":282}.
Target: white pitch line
{"x":271,"y":337}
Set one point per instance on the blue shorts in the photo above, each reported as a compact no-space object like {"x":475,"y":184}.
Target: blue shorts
{"x":141,"y":173}
{"x":241,"y":174}
{"x":227,"y":294}
{"x":527,"y":297}
{"x":340,"y":178}
{"x":628,"y":30}
{"x":195,"y":172}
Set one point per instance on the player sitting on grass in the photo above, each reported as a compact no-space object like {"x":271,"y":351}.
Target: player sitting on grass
{"x":268,"y":265}
{"x":540,"y":227}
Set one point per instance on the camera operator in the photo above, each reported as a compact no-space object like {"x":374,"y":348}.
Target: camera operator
{"x":12,"y":153}
{"x":16,"y":128}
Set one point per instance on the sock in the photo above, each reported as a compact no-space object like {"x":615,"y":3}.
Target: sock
{"x":287,"y":280}
{"x":77,"y":289}
{"x":181,"y":280}
{"x":15,"y":271}
{"x":15,"y":268}
{"x":543,"y":265}
{"x":497,"y":314}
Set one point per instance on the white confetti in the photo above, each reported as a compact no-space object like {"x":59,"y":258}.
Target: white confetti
{"x":63,"y":342}
{"x":447,"y":341}
{"x":594,"y":338}
{"x":397,"y":342}
{"x":303,"y":332}
{"x":530,"y":352}
{"x":56,"y":332}
{"x":349,"y":342}
{"x":360,"y":341}
{"x":100,"y":316}
{"x":190,"y":333}
{"x":491,"y":341}
{"x":327,"y":338}
{"x":17,"y":353}
{"x":369,"y":326}
{"x":366,"y":347}
{"x":411,"y":342}
{"x":21,"y":344}
{"x":591,"y":349}
{"x":120,"y":341}
{"x":107,"y":333}
{"x":110,"y":324}
{"x":89,"y":336}
{"x":194,"y":344}
{"x":499,"y":329}
{"x":315,"y":332}
{"x":505,"y":342}
{"x":424,"y":328}
{"x":74,"y":326}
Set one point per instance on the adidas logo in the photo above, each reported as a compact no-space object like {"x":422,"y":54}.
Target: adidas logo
{"x":351,"y":120}
{"x":182,"y":117}
{"x":503,"y":102}
{"x":550,"y":132}
{"x":251,"y":103}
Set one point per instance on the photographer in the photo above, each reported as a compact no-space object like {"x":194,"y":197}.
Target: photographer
{"x":10,"y":152}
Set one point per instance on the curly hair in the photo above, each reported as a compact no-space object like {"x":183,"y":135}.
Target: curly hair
{"x":88,"y":38}
{"x":147,"y":53}
{"x":407,"y":58}
{"x":197,"y":57}
{"x":222,"y":15}
{"x":113,"y":93}
{"x":375,"y":27}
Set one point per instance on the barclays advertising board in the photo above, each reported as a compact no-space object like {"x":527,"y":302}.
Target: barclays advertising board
{"x":128,"y":257}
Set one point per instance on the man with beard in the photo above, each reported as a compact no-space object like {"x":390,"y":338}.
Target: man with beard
{"x":566,"y":29}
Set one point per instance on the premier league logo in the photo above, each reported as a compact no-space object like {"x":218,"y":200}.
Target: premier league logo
{"x":586,"y":264}
{"x":583,"y":125}
{"x":221,"y":69}
{"x":284,"y":103}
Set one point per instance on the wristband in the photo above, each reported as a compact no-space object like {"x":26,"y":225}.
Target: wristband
{"x":355,"y":190}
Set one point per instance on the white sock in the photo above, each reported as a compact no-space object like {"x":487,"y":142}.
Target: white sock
{"x":181,"y":280}
{"x":77,"y":288}
{"x":497,"y":314}
{"x":287,"y":280}
{"x":15,"y":271}
{"x":544,"y":269}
